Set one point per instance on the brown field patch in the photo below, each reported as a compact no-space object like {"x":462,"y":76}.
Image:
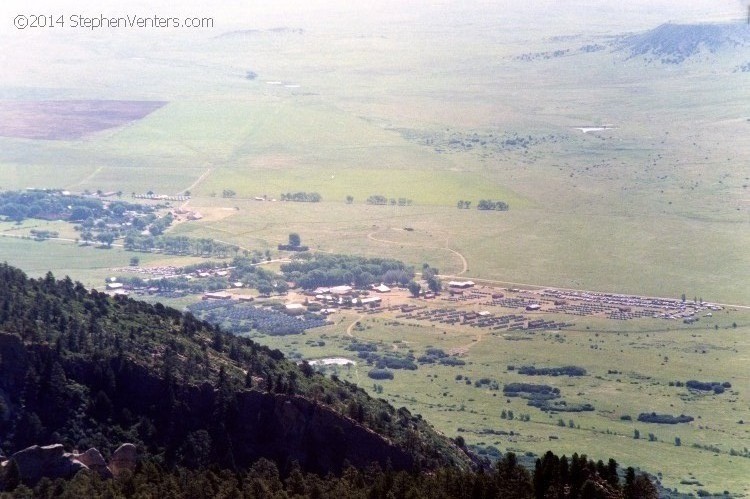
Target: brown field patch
{"x":69,"y":119}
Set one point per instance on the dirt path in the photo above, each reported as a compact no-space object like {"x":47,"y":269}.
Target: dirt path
{"x":464,"y":263}
{"x":87,"y":178}
{"x":195,"y":184}
{"x":463,"y":349}
{"x":351,"y":326}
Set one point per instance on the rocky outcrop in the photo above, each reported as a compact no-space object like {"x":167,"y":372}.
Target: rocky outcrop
{"x":288,"y":427}
{"x":94,"y":461}
{"x":49,"y":461}
{"x":123,"y":459}
{"x":53,"y":462}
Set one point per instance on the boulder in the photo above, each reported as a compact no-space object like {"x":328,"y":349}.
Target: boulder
{"x":50,"y":461}
{"x":94,"y":460}
{"x":124,"y":458}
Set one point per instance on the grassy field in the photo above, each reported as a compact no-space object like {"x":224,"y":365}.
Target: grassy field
{"x":627,"y":373}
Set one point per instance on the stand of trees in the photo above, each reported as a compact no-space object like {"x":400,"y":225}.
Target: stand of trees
{"x":484,"y":204}
{"x":312,"y":271}
{"x":179,"y":245}
{"x":302,"y":197}
{"x":553,"y":476}
{"x":379,"y":199}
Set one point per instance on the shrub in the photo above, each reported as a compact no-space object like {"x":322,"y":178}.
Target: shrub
{"x":663,"y":418}
{"x":552,"y":371}
{"x":380,"y":374}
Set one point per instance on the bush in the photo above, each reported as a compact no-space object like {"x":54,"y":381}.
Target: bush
{"x":552,"y":371}
{"x":452,"y":361}
{"x":707,"y":386}
{"x":380,"y":374}
{"x":663,"y":418}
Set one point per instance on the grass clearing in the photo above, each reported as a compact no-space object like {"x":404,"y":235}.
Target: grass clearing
{"x":628,"y":373}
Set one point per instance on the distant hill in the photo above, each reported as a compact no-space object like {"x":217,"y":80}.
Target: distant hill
{"x":675,"y":43}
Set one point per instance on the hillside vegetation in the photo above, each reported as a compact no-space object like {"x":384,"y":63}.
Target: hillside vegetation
{"x":83,"y":369}
{"x":86,"y":370}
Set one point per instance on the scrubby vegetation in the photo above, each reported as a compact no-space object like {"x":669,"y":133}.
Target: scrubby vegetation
{"x":380,"y":373}
{"x":302,"y":197}
{"x":717,"y":387}
{"x":653,"y":417}
{"x":531,"y":391}
{"x":552,"y":371}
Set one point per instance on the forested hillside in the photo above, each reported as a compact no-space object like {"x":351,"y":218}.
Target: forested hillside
{"x":202,"y":407}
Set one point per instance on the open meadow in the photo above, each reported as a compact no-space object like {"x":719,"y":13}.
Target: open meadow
{"x":631,"y":368}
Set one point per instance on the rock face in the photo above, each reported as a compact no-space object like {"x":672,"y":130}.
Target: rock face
{"x":124,"y":458}
{"x":292,"y":427}
{"x":94,"y":460}
{"x":53,"y":462}
{"x":50,"y":461}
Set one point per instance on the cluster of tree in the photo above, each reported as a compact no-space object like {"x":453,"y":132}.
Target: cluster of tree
{"x":717,"y":387}
{"x":95,"y":219}
{"x":295,"y":244}
{"x":531,"y":391}
{"x":484,"y":204}
{"x":243,"y":269}
{"x":380,"y":373}
{"x":552,"y":371}
{"x":379,"y":199}
{"x":488,"y":383}
{"x":547,"y":405}
{"x":580,"y":477}
{"x":315,"y":270}
{"x":487,"y":204}
{"x":553,"y":476}
{"x":430,"y":274}
{"x":302,"y":197}
{"x":432,"y":355}
{"x":17,"y":206}
{"x":246,"y":271}
{"x":653,"y":417}
{"x":41,"y":235}
{"x":179,"y":245}
{"x":452,"y":361}
{"x":388,"y":360}
{"x":359,"y":346}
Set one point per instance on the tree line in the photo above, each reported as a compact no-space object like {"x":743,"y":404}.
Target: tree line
{"x":301,"y":197}
{"x":553,"y":476}
{"x":311,"y":271}
{"x":484,"y":204}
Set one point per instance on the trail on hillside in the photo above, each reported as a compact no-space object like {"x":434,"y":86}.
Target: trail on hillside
{"x":195,"y":184}
{"x":87,"y":178}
